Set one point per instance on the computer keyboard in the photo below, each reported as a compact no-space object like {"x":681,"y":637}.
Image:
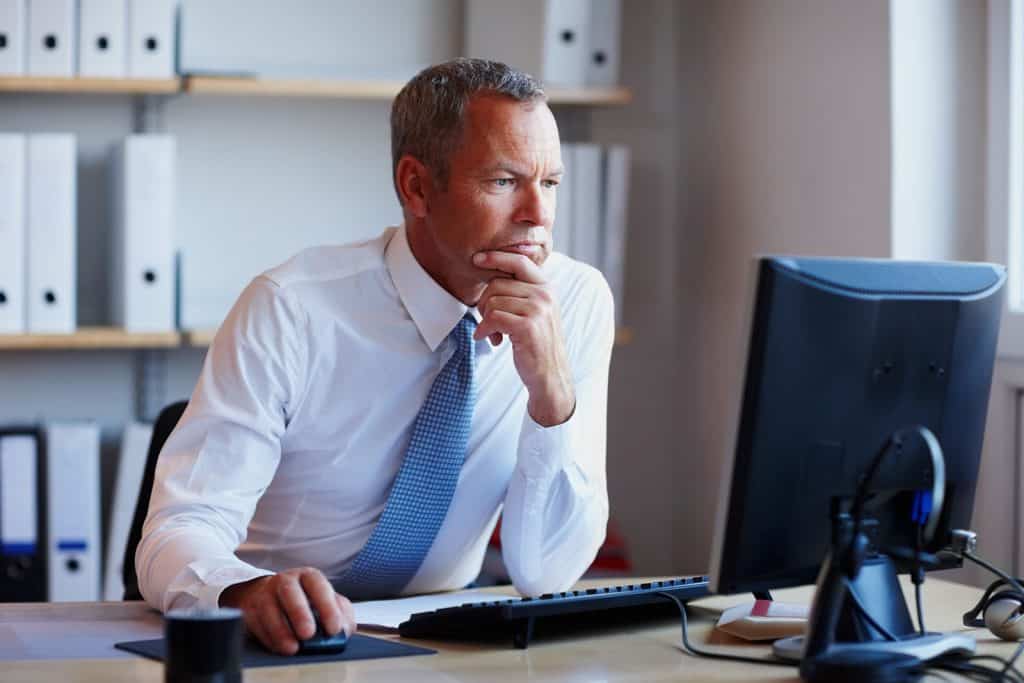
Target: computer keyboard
{"x":521,"y":618}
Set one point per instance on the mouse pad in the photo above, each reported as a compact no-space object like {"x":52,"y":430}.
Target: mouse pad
{"x":253,"y":654}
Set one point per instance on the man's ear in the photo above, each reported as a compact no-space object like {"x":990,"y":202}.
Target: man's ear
{"x":415,"y":185}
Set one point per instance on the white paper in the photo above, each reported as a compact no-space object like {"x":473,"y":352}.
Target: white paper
{"x":386,"y":615}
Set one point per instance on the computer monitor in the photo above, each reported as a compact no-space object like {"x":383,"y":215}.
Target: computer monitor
{"x":842,"y":354}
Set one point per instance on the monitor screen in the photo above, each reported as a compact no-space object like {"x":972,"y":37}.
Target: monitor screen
{"x":842,"y":353}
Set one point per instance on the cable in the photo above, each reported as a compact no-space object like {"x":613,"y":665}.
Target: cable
{"x":938,"y":478}
{"x":1011,"y":660}
{"x":690,"y":649}
{"x":971,"y":668}
{"x":918,"y":579}
{"x":1008,"y":670}
{"x":998,"y":572}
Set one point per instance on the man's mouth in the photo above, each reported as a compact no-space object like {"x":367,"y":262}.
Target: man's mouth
{"x":530,"y":249}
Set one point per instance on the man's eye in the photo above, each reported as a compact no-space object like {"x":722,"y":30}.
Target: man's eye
{"x":503,"y":182}
{"x":551,"y":183}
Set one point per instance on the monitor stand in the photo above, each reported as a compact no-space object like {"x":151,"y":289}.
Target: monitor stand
{"x":838,"y":624}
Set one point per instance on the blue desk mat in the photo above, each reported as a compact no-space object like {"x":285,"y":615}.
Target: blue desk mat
{"x":253,"y":654}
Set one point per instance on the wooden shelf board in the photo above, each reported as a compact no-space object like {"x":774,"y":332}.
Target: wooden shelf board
{"x":91,"y":338}
{"x":107,"y":86}
{"x":370,"y":90}
{"x":590,"y":96}
{"x":199,"y":337}
{"x":211,"y":85}
{"x":348,"y":89}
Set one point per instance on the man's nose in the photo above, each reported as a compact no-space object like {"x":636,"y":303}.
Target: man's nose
{"x":536,"y":206}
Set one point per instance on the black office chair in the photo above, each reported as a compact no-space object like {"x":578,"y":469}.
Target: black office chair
{"x":165,"y":424}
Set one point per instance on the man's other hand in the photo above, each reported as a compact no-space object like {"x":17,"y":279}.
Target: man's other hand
{"x":276,"y":609}
{"x":520,"y":305}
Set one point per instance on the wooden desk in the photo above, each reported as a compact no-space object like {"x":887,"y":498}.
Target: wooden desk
{"x":644,"y":654}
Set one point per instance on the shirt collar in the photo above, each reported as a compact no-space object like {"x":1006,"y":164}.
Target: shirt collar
{"x":433,"y":310}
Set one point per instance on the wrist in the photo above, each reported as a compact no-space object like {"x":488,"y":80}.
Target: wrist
{"x":553,"y":407}
{"x":234,"y":595}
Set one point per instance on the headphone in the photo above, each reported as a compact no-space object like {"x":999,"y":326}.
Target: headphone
{"x":1000,"y":610}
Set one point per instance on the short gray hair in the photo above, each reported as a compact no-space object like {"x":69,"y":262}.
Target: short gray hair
{"x":427,"y":116}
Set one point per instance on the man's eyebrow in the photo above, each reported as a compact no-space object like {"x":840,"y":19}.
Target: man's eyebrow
{"x":517,"y":171}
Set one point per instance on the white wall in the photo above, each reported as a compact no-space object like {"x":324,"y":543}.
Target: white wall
{"x":816,"y":138}
{"x":938,"y":128}
{"x":796,"y":161}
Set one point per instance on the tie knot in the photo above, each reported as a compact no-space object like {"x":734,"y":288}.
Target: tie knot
{"x":463,"y":333}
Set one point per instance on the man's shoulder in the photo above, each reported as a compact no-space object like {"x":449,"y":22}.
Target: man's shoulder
{"x":332,"y":262}
{"x":574,"y":280}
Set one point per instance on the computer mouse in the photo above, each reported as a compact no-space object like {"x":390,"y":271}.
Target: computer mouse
{"x":321,"y":643}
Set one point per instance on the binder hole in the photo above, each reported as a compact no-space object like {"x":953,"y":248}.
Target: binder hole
{"x":102,"y":43}
{"x":149,"y":276}
{"x":599,"y":57}
{"x":73,"y":565}
{"x":568,"y":36}
{"x":50,"y":41}
{"x":3,"y":297}
{"x":151,"y":44}
{"x":3,"y":40}
{"x":50,"y":297}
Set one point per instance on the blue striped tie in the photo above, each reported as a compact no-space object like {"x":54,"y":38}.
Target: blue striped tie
{"x":425,"y":483}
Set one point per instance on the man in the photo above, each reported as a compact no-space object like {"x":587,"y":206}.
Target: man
{"x":367,"y":411}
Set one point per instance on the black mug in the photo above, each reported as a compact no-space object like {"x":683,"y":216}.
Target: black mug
{"x":203,"y":646}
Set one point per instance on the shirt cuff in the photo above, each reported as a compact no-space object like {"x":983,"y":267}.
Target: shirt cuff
{"x":202,"y":585}
{"x":545,"y":451}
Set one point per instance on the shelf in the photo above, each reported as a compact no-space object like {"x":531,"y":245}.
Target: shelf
{"x":91,"y":338}
{"x":352,"y":89}
{"x":253,"y":87}
{"x":368,"y":90}
{"x":199,"y":337}
{"x":623,"y":336}
{"x":100,"y":86}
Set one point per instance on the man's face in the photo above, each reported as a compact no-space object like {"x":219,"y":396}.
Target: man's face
{"x":500,"y":193}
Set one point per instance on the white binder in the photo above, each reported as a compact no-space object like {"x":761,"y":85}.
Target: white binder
{"x":545,"y":38}
{"x":151,"y":38}
{"x":603,"y":42}
{"x":616,"y":204}
{"x":142,"y":276}
{"x":130,"y":469}
{"x":51,"y":241}
{"x":51,"y":38}
{"x":12,"y":37}
{"x":73,"y":511}
{"x":102,"y":46}
{"x":561,"y":231}
{"x":19,"y":508}
{"x":588,"y":189}
{"x":12,"y":233}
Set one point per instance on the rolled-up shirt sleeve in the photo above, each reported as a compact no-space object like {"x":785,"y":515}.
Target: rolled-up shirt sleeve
{"x":223,"y":453}
{"x":556,"y":507}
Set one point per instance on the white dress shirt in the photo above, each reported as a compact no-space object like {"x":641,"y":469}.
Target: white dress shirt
{"x":304,"y":409}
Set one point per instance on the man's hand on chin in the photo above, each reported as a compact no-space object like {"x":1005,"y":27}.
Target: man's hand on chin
{"x":520,"y":305}
{"x":276,"y":609}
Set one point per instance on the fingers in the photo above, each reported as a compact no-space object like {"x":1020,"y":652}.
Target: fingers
{"x":501,"y":322}
{"x":322,"y":598}
{"x":278,"y":610}
{"x":348,"y":614}
{"x":292,"y":601}
{"x":277,"y":632}
{"x":517,"y":265}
